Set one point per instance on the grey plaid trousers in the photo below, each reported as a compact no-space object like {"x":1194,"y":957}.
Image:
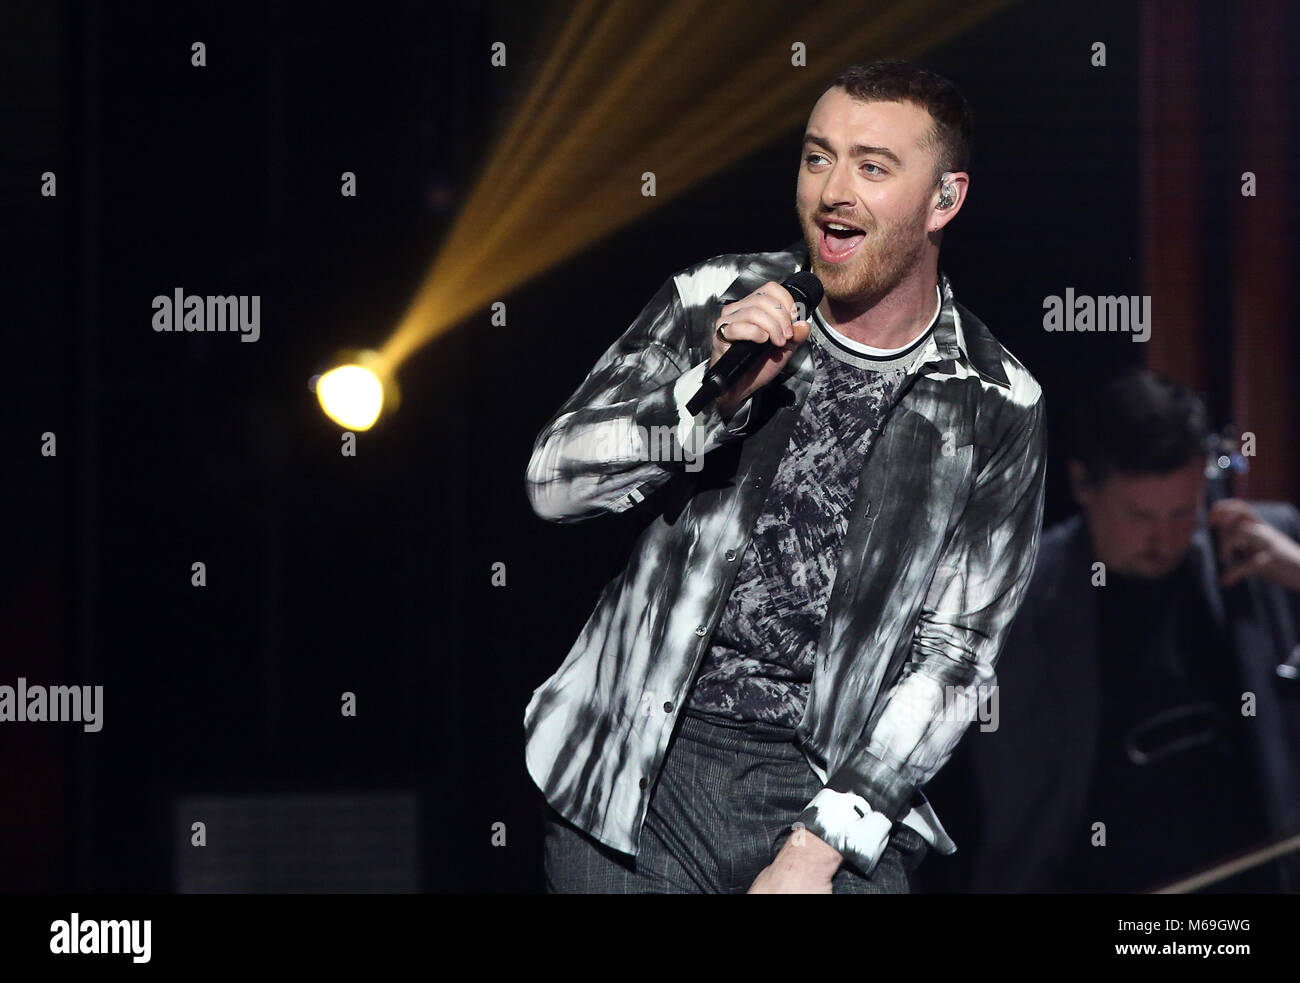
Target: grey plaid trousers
{"x":721,"y":810}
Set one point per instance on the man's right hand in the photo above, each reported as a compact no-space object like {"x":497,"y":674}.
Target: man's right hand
{"x":767,"y":314}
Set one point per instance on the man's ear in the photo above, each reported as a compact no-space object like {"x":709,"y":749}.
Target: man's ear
{"x":953,"y":188}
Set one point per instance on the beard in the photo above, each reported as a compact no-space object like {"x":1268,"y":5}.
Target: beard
{"x":884,"y":257}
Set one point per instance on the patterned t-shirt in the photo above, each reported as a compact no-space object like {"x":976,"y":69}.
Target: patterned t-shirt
{"x":760,"y":661}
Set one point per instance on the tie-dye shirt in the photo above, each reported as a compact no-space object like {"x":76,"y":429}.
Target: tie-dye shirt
{"x":761,"y":655}
{"x":935,"y":559}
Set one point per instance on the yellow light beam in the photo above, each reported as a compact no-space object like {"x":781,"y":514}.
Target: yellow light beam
{"x":683,"y":90}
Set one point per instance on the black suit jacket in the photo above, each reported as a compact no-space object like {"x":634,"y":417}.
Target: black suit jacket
{"x":1018,"y":792}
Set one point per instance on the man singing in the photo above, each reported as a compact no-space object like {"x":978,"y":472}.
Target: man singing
{"x":833,"y":549}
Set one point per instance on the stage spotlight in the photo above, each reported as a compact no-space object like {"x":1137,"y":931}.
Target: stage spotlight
{"x":633,"y":105}
{"x":357,"y":390}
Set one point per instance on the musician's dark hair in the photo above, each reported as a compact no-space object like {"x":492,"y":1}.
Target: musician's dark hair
{"x":1138,"y":423}
{"x":949,"y":138}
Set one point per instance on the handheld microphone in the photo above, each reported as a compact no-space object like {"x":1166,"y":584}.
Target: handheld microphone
{"x":722,"y":375}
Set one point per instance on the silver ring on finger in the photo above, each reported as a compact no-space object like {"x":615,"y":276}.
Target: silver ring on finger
{"x":721,"y":336}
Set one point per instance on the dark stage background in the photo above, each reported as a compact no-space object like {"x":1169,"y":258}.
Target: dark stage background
{"x":372,"y":574}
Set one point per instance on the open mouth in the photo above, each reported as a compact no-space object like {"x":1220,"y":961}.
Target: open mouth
{"x":839,"y":241}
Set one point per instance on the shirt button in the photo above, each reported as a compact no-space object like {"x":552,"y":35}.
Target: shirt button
{"x":644,"y":782}
{"x":701,"y":630}
{"x":668,"y":707}
{"x":756,"y":481}
{"x":731,"y":555}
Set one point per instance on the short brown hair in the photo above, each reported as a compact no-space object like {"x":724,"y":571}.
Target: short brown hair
{"x":1138,"y":423}
{"x":901,"y":81}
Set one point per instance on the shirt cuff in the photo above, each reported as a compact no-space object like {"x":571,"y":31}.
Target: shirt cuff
{"x":707,"y":429}
{"x":846,"y":821}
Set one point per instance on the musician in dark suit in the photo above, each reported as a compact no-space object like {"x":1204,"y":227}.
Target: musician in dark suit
{"x":1148,"y":718}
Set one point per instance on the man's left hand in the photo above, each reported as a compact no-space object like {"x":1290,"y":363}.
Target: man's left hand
{"x":804,"y":865}
{"x":1250,"y":547}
